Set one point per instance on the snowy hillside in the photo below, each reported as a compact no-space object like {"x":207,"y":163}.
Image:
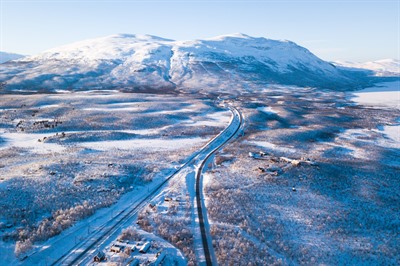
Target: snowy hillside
{"x":4,"y":57}
{"x":385,"y":67}
{"x":144,"y":62}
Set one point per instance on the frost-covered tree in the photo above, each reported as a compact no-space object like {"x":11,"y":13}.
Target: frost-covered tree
{"x":21,"y":247}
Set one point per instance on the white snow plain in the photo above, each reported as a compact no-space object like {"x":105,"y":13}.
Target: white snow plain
{"x":384,"y":95}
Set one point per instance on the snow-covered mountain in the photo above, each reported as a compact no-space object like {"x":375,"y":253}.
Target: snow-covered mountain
{"x":385,"y":67}
{"x":4,"y":57}
{"x":144,"y":62}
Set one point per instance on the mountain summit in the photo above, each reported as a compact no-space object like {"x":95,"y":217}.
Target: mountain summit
{"x":145,"y":62}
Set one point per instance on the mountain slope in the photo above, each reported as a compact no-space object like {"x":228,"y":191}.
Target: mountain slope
{"x":144,"y":62}
{"x":4,"y":57}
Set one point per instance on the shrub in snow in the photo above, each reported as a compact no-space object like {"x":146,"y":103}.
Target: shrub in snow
{"x":173,"y":225}
{"x":21,"y":247}
{"x":130,"y":233}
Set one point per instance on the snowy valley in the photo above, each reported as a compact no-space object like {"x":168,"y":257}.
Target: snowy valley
{"x":233,"y":150}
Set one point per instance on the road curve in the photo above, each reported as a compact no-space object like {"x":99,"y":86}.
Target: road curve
{"x":236,"y":124}
{"x":82,"y":252}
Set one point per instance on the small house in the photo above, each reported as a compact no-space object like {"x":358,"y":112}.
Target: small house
{"x":116,"y":248}
{"x":145,"y":247}
{"x":100,"y":256}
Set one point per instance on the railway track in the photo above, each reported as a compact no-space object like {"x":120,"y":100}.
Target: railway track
{"x":82,"y":252}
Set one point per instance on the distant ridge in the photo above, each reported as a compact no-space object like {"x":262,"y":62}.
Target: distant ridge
{"x":4,"y":57}
{"x":383,"y":68}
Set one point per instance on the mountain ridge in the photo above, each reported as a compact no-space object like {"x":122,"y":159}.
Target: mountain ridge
{"x":382,"y":67}
{"x":138,"y":62}
{"x":4,"y":56}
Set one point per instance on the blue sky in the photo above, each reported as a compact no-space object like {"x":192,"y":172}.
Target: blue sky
{"x":333,"y":30}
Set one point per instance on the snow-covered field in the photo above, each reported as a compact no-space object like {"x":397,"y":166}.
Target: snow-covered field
{"x":384,"y":95}
{"x":65,"y":156}
{"x":314,"y":180}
